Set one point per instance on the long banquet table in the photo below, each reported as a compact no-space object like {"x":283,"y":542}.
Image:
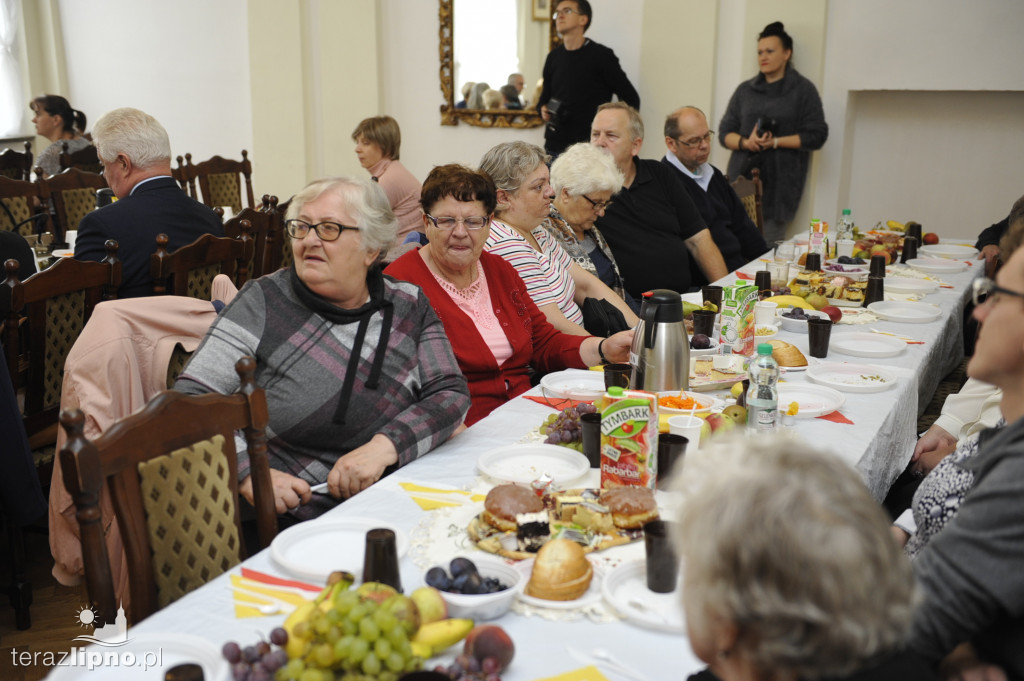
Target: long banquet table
{"x":878,"y":444}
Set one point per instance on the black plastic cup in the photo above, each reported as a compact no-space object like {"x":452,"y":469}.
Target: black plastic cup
{"x":662,"y":562}
{"x":704,"y":322}
{"x":617,"y":374}
{"x":712,"y":294}
{"x":877,"y":266}
{"x":909,"y":249}
{"x":380,"y":562}
{"x":818,"y":333}
{"x":813,"y":263}
{"x":875,"y":290}
{"x":915,"y":230}
{"x":742,"y":399}
{"x":670,"y":450}
{"x":763,"y":280}
{"x":590,"y":425}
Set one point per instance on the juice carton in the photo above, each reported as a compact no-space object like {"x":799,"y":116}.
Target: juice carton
{"x":738,"y":317}
{"x":629,"y":438}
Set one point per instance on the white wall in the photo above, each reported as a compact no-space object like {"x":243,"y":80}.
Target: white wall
{"x":184,"y":62}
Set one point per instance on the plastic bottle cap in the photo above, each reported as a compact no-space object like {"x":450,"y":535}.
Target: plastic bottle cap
{"x":846,"y":211}
{"x":764,"y":349}
{"x":616,"y":390}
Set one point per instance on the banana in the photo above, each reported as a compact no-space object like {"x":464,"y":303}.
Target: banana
{"x":443,"y":633}
{"x":296,"y":646}
{"x":325,"y":599}
{"x":688,"y":308}
{"x":896,"y":226}
{"x":421,"y":650}
{"x":790,"y":300}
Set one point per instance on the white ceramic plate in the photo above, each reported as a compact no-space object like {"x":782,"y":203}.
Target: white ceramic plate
{"x":906,"y":311}
{"x":574,"y":384}
{"x":170,"y":649}
{"x":866,"y":345}
{"x":852,"y":378}
{"x":814,"y":400}
{"x":314,"y":549}
{"x":937,"y":265}
{"x":590,"y":596}
{"x":799,"y":325}
{"x":63,"y":252}
{"x":625,"y":589}
{"x":910,"y":285}
{"x":526,"y":462}
{"x":949,"y":251}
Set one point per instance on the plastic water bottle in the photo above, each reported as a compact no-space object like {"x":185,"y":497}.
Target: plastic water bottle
{"x":844,"y":234}
{"x":763,"y":396}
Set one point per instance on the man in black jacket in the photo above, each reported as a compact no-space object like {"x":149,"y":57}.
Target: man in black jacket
{"x":136,"y":156}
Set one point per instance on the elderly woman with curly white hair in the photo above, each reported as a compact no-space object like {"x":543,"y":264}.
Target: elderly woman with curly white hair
{"x":359,"y":375}
{"x":789,"y":570}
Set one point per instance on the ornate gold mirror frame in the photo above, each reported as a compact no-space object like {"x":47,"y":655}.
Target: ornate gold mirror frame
{"x":490,"y":118}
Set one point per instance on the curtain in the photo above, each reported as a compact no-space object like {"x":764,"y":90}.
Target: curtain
{"x":11,"y":104}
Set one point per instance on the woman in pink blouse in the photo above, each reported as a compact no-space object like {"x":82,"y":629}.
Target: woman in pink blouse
{"x":555,"y":282}
{"x":378,"y":140}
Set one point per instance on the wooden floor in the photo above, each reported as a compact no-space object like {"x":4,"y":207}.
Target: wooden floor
{"x":54,"y":613}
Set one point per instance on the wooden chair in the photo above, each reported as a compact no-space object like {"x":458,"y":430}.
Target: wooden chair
{"x":261,"y":224}
{"x":180,"y":175}
{"x":279,"y":244}
{"x":17,"y":165}
{"x":86,"y":159}
{"x":46,"y":314}
{"x":750,"y":191}
{"x":220,"y":181}
{"x":172,"y":472}
{"x":73,"y":192}
{"x":190,"y":270}
{"x":23,"y":207}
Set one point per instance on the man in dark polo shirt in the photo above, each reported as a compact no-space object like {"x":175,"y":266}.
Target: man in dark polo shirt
{"x":689,"y":144}
{"x":652,"y":225}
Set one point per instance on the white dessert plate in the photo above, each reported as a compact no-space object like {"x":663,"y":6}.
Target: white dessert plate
{"x":63,"y":252}
{"x":937,"y":265}
{"x":704,"y":402}
{"x":169,"y":649}
{"x":591,"y":596}
{"x":799,"y":325}
{"x":814,"y":400}
{"x":574,"y":384}
{"x":949,"y":251}
{"x":525,"y":463}
{"x":866,"y":345}
{"x":314,"y":549}
{"x":906,"y":311}
{"x":852,"y":378}
{"x":910,"y":285}
{"x":625,"y":589}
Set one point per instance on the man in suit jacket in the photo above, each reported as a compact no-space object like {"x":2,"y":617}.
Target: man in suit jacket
{"x":136,"y":156}
{"x":689,"y":145}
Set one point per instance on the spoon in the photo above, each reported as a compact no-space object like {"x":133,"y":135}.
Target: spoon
{"x":614,"y":665}
{"x":275,"y":606}
{"x":267,"y":609}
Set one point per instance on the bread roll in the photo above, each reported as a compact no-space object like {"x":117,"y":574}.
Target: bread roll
{"x":561,"y":572}
{"x":787,"y":354}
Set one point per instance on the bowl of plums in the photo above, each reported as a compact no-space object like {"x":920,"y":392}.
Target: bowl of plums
{"x":847,"y":266}
{"x":703,"y":345}
{"x":794,"y":319}
{"x":478,"y":589}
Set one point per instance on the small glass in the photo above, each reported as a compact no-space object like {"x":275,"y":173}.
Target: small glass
{"x":763,"y":280}
{"x":813,"y":262}
{"x":617,"y":374}
{"x":712,"y":294}
{"x":780,"y":273}
{"x":915,"y":230}
{"x":590,"y":426}
{"x":380,"y":561}
{"x":909,"y":249}
{"x":818,"y":333}
{"x":704,"y":322}
{"x":785,"y":251}
{"x":877,"y":266}
{"x":662,"y":562}
{"x":875,"y":290}
{"x":670,"y":450}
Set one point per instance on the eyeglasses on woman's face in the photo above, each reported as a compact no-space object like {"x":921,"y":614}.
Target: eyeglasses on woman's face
{"x":597,"y":205}
{"x":447,"y":223}
{"x":984,"y":291}
{"x":697,"y":141}
{"x":327,"y":231}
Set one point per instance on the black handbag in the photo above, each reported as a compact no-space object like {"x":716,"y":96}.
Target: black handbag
{"x":601,"y":318}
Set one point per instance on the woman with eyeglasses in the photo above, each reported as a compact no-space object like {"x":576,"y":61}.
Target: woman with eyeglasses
{"x":359,"y":376}
{"x":557,"y":284}
{"x":496,"y":330}
{"x":584,"y":179}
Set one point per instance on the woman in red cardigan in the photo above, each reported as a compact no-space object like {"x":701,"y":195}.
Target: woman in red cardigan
{"x":495,"y":329}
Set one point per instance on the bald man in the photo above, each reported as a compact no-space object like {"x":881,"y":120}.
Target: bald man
{"x":689,"y":144}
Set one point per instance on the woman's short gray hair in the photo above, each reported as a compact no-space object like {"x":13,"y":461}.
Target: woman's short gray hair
{"x":509,"y":163}
{"x":784,"y":542}
{"x":364,"y":200}
{"x":133,"y":133}
{"x":584,"y":168}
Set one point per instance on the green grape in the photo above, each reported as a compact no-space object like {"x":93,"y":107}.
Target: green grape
{"x":371,"y":664}
{"x":342,"y":647}
{"x":387,"y":676}
{"x":334,"y":617}
{"x":360,"y":647}
{"x":344,"y":600}
{"x":333,"y":634}
{"x":322,"y":655}
{"x":349,"y":628}
{"x":311,"y":675}
{"x":382,"y":647}
{"x":321,"y":626}
{"x":403,"y":647}
{"x":301,"y":629}
{"x":369,"y":630}
{"x":357,"y":612}
{"x":384,"y":619}
{"x":397,"y":637}
{"x":294,"y":668}
{"x":412,"y":663}
{"x":395,"y":661}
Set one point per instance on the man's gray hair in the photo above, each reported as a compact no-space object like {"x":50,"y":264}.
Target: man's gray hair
{"x":636,"y":123}
{"x":509,"y":163}
{"x":784,"y":542}
{"x":364,"y":200}
{"x":133,"y":133}
{"x":584,"y":168}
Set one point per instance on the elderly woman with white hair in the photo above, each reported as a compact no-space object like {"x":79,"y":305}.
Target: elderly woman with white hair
{"x":789,"y":571}
{"x":585,"y":178}
{"x":556,"y":284}
{"x":359,"y":375}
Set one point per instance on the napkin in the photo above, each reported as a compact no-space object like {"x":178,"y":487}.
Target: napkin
{"x":430,"y":498}
{"x":257,"y":576}
{"x":590,"y":673}
{"x":744,"y":275}
{"x":241,"y":598}
{"x":554,"y":402}
{"x":836,"y":417}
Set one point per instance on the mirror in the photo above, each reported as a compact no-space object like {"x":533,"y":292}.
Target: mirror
{"x":496,"y":118}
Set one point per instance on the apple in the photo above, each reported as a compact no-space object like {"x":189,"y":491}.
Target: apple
{"x":375,"y":591}
{"x":737,"y":389}
{"x":405,"y":610}
{"x":931,"y":238}
{"x":737,"y":413}
{"x":719,"y":423}
{"x":705,"y":431}
{"x":833,"y":312}
{"x":489,"y":640}
{"x":432,"y":605}
{"x":817,"y":301}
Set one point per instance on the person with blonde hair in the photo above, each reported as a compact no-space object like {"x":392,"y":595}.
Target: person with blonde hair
{"x":378,"y":141}
{"x":789,"y":571}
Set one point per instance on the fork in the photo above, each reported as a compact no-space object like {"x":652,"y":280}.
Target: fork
{"x":905,"y":339}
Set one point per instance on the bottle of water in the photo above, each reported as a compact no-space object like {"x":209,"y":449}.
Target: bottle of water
{"x":844,"y":234}
{"x":763,"y":396}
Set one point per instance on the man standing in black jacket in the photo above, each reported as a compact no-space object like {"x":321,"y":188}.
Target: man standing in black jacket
{"x":579,"y":76}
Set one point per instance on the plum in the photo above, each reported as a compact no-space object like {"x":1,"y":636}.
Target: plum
{"x":700,"y":342}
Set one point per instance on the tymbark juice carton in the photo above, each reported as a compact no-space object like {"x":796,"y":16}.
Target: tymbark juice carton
{"x":629,"y":438}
